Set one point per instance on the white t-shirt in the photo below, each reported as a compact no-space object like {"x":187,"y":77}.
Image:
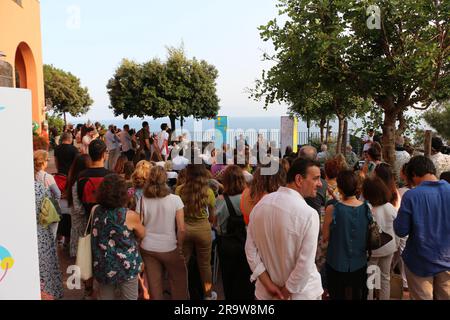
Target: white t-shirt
{"x":125,"y":140}
{"x":159,"y":222}
{"x":162,"y":137}
{"x":384,"y":216}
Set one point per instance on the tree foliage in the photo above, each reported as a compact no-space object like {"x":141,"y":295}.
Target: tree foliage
{"x":64,"y":92}
{"x":439,"y":118}
{"x":309,"y":50}
{"x":177,"y":88}
{"x":55,"y":122}
{"x":327,"y":48}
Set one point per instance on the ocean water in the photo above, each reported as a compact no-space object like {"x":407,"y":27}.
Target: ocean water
{"x":203,"y":130}
{"x":191,"y":125}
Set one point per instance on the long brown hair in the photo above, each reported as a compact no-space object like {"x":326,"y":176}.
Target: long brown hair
{"x":376,"y":192}
{"x":262,"y":184}
{"x":156,"y":186}
{"x":81,"y":162}
{"x":385,"y":173}
{"x":120,"y":164}
{"x":39,"y":158}
{"x":233,"y":180}
{"x":181,"y":178}
{"x":195,"y":190}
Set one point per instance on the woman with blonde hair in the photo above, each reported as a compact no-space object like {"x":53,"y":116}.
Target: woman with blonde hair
{"x":138,"y":180}
{"x":40,"y":174}
{"x":199,"y":209}
{"x":163,"y":217}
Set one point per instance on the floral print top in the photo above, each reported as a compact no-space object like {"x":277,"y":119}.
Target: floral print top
{"x":115,"y":253}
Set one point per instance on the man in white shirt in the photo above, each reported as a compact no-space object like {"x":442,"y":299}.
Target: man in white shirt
{"x":112,"y":142}
{"x":125,"y":140}
{"x":163,"y":141}
{"x":282,"y":238}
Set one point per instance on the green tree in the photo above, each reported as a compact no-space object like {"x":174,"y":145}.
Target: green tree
{"x":55,"y":122}
{"x":400,"y":65}
{"x":439,"y":118}
{"x":177,"y":88}
{"x":309,"y":49}
{"x":64,"y":93}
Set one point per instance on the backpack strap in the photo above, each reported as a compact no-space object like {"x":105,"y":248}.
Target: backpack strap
{"x":371,"y":220}
{"x":141,"y":209}
{"x":230,"y":206}
{"x":368,"y":212}
{"x":90,"y":220}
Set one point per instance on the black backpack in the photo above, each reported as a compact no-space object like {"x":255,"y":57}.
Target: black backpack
{"x":235,"y":224}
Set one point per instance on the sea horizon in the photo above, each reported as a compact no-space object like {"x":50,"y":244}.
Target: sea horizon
{"x":237,"y":123}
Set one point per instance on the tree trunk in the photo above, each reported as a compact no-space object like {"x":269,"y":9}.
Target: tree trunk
{"x":181,"y":123}
{"x":65,"y":121}
{"x":328,"y":132}
{"x":340,"y":134}
{"x":427,"y":147}
{"x":345,"y":138}
{"x":390,"y":118}
{"x":172,"y":122}
{"x":322,"y":124}
{"x":402,"y":124}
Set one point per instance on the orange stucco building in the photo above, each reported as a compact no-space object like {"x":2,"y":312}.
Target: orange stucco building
{"x":21,"y":50}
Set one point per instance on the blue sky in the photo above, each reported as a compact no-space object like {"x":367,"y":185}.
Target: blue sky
{"x":90,"y":38}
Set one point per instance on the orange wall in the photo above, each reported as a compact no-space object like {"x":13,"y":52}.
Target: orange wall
{"x":18,"y":25}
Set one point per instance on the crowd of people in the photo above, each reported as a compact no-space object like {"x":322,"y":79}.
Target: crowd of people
{"x":163,"y":216}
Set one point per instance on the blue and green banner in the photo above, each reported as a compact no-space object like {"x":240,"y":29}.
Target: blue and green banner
{"x":221,"y":126}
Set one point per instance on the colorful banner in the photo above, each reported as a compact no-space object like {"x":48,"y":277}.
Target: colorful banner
{"x":19,"y":261}
{"x":221,"y":126}
{"x":289,"y":133}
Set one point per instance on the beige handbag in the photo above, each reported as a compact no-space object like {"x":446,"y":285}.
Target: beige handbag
{"x":396,"y":286}
{"x":84,"y":251}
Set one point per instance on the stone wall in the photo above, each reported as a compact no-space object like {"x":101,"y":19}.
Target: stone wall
{"x":6,"y":74}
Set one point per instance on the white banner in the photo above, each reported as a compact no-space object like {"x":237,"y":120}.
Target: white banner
{"x":287,"y":133}
{"x":19,"y":264}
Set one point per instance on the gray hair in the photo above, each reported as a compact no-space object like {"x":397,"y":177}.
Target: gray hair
{"x":66,"y":136}
{"x":308,"y":152}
